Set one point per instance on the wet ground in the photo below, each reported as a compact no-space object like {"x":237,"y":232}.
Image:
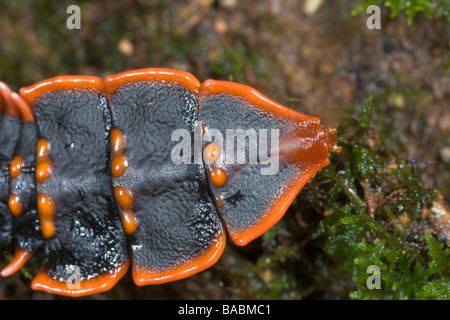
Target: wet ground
{"x":310,"y":55}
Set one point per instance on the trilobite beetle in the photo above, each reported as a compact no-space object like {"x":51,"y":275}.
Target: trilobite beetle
{"x":88,"y":177}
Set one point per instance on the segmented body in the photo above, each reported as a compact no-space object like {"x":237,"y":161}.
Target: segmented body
{"x":130,"y":170}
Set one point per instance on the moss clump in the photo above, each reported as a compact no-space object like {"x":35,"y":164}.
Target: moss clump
{"x":432,"y":9}
{"x":376,"y":216}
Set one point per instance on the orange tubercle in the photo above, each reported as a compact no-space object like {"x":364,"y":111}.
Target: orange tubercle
{"x":212,"y":152}
{"x":124,"y":197}
{"x":20,"y":258}
{"x":44,"y":170}
{"x":129,"y":222}
{"x":218,"y":177}
{"x":219,"y":202}
{"x":117,"y":141}
{"x":48,"y":227}
{"x":47,"y":209}
{"x":46,"y":205}
{"x":44,"y":166}
{"x":16,"y":167}
{"x":42,"y":148}
{"x":102,"y":283}
{"x":119,"y":165}
{"x":15,"y":205}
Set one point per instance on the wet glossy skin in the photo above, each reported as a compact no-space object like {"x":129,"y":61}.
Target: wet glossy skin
{"x":102,"y":169}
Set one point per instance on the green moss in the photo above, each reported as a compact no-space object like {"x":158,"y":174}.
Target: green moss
{"x":439,"y":266}
{"x":374,"y":218}
{"x":432,"y":9}
{"x":440,"y":262}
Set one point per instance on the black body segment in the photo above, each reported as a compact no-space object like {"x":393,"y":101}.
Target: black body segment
{"x":148,"y":166}
{"x":88,"y":239}
{"x":248,"y":194}
{"x":179,"y":227}
{"x":27,"y":230}
{"x":268,"y":153}
{"x":9,"y":133}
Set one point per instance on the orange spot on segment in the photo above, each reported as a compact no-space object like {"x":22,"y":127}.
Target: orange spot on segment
{"x":15,"y":205}
{"x":44,"y":166}
{"x":144,"y":277}
{"x":20,"y":258}
{"x":98,"y":284}
{"x":129,"y":222}
{"x":119,"y":165}
{"x":46,"y":205}
{"x":212,"y":153}
{"x":42,"y":148}
{"x":124,"y":197}
{"x":47,"y":209}
{"x":117,"y":141}
{"x":219,"y":201}
{"x":44,"y":170}
{"x":16,"y":167}
{"x":218,"y":177}
{"x":48,"y":227}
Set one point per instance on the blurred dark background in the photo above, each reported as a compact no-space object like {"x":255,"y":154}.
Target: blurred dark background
{"x":312,"y":55}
